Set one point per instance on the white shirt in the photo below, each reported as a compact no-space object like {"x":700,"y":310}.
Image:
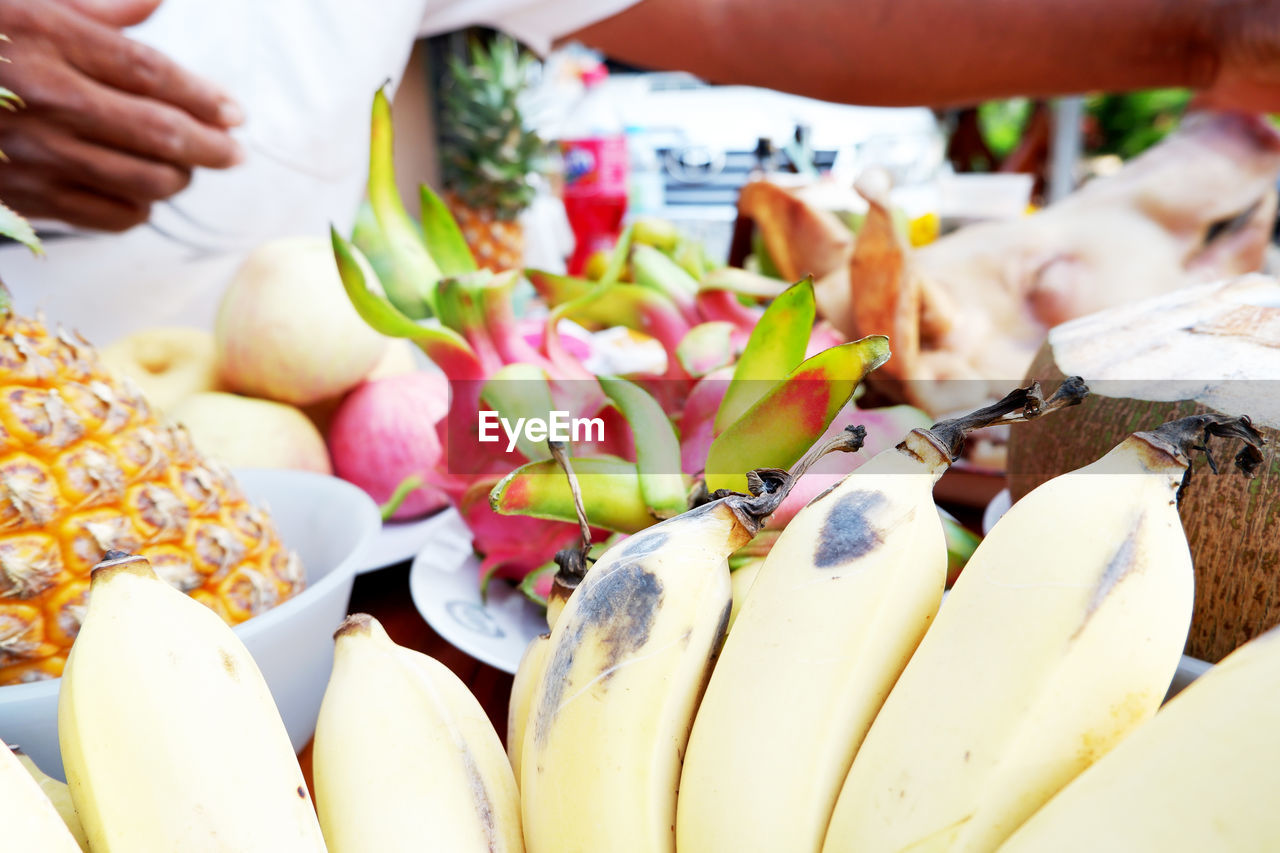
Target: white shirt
{"x":305,"y":72}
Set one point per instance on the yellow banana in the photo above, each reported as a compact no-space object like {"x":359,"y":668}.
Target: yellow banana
{"x":839,"y":604}
{"x":571,"y":567}
{"x":28,"y":820}
{"x":533,"y":663}
{"x":627,"y":661}
{"x":1202,"y":775}
{"x":170,"y":738}
{"x":58,"y":794}
{"x":405,"y":757}
{"x":1061,"y":635}
{"x":740,"y":583}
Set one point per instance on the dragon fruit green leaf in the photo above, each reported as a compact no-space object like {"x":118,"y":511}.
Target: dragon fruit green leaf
{"x":785,"y":422}
{"x":610,"y":487}
{"x":692,"y":257}
{"x":707,"y":347}
{"x":411,"y":286}
{"x":555,"y":289}
{"x":520,"y":391}
{"x":664,"y":488}
{"x":368,"y":237}
{"x":531,"y":583}
{"x":776,"y":346}
{"x":444,"y":346}
{"x":745,"y":283}
{"x":402,"y":491}
{"x":961,"y":543}
{"x":651,"y":268}
{"x":618,"y":257}
{"x":633,"y":306}
{"x":657,"y":232}
{"x":443,"y":237}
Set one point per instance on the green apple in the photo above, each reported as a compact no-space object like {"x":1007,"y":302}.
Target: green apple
{"x":286,"y":330}
{"x":247,"y":432}
{"x":168,"y":363}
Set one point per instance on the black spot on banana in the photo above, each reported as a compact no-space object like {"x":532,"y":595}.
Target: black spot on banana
{"x":630,"y":656}
{"x":849,"y":532}
{"x":1125,"y":560}
{"x":622,"y":610}
{"x":642,"y":546}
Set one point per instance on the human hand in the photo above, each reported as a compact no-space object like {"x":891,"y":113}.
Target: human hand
{"x":110,"y":125}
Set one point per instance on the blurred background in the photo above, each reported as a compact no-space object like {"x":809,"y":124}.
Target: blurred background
{"x":691,"y":146}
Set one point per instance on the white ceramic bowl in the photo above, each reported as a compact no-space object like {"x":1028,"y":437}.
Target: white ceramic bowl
{"x":329,"y":523}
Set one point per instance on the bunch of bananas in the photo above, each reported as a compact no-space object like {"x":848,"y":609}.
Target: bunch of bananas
{"x":846,"y":709}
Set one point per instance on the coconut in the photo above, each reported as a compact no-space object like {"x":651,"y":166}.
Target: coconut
{"x":1210,"y":348}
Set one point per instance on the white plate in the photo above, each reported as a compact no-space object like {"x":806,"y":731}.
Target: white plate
{"x":397,"y":542}
{"x":444,"y":582}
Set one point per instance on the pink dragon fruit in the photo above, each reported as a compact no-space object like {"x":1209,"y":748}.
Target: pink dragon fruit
{"x":385,"y":431}
{"x":751,"y":378}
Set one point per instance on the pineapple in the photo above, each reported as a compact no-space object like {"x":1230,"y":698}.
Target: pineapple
{"x":488,"y":156}
{"x":86,"y":466}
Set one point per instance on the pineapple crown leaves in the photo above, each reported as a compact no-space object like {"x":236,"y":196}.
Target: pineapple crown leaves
{"x":488,"y":153}
{"x":13,"y":225}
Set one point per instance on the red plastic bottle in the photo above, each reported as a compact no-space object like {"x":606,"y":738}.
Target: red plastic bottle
{"x":593,"y":147}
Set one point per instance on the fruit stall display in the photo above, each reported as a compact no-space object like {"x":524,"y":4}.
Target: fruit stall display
{"x":1010,"y":716}
{"x":759,"y":636}
{"x":746,"y":375}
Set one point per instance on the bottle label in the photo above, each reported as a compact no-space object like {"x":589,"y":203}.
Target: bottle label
{"x":595,"y":166}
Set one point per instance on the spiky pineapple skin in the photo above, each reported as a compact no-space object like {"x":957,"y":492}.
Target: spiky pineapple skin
{"x":488,"y":154}
{"x":496,"y":244}
{"x":87,"y":466}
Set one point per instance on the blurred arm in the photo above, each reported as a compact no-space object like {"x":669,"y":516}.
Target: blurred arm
{"x":950,"y":52}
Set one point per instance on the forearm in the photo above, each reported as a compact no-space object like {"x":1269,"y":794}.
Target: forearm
{"x":935,"y":52}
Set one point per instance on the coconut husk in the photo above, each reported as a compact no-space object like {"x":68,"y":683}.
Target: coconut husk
{"x":1213,"y":348}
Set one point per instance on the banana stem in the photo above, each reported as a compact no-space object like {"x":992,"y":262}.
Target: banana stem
{"x":1179,"y":438}
{"x":1021,"y":404}
{"x":572,"y":562}
{"x":558,"y":453}
{"x":850,"y":440}
{"x":769,"y":487}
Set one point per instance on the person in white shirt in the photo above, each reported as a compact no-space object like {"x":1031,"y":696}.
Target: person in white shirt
{"x":169,"y":137}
